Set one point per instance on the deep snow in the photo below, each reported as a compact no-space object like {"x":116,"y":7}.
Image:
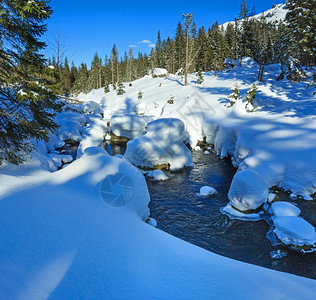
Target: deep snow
{"x":63,"y":237}
{"x":61,"y":240}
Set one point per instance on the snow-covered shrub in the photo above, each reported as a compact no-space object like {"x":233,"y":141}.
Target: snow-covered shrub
{"x":248,"y":191}
{"x":140,"y":95}
{"x":171,"y":100}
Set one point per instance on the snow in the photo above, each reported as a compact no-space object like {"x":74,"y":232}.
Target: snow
{"x":235,"y":214}
{"x":283,"y":209}
{"x":206,"y":191}
{"x":292,"y":230}
{"x":162,"y":144}
{"x":248,"y":190}
{"x":92,"y":135}
{"x":160,"y":72}
{"x":275,"y":14}
{"x":91,"y":107}
{"x":63,"y":240}
{"x":128,"y":125}
{"x":156,"y":175}
{"x":57,"y":229}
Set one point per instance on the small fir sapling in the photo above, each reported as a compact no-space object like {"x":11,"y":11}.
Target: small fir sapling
{"x":234,"y":95}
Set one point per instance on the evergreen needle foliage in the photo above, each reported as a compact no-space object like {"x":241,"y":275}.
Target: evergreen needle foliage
{"x":25,"y":103}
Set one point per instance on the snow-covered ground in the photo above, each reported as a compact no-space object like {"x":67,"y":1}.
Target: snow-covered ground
{"x":68,"y":235}
{"x":81,"y":233}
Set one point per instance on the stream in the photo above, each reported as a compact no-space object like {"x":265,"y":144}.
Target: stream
{"x":180,"y":212}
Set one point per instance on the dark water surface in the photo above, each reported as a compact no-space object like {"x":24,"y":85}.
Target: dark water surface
{"x":180,"y":212}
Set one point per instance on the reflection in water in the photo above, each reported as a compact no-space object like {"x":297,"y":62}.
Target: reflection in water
{"x":178,"y":211}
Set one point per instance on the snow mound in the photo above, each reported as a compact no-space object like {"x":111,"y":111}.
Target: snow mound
{"x":93,"y":135}
{"x":206,"y":191}
{"x":293,"y":230}
{"x":128,"y":125}
{"x":157,"y":175}
{"x":161,"y":145}
{"x":248,"y":190}
{"x":168,"y":129}
{"x":284,"y":209}
{"x":160,"y":72}
{"x":91,"y":107}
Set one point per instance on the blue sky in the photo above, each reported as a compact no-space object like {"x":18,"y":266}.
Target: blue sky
{"x":95,"y":25}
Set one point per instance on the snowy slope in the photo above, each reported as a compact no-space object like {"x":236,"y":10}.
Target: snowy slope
{"x":275,"y":14}
{"x":277,"y":140}
{"x":61,"y":240}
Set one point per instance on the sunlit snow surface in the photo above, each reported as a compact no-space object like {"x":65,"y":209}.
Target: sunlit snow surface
{"x":61,"y":238}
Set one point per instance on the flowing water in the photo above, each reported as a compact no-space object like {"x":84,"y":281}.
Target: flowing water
{"x":180,"y":212}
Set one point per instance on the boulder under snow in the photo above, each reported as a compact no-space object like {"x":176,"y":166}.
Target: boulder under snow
{"x":163,"y":144}
{"x":128,"y":125}
{"x":293,"y":230}
{"x":248,"y":190}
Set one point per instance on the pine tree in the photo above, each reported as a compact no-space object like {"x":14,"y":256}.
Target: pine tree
{"x":179,"y":48}
{"x":95,"y":76}
{"x":301,"y":22}
{"x":106,"y":88}
{"x":159,"y":51}
{"x":25,"y":101}
{"x":234,"y":95}
{"x":251,"y":95}
{"x":65,"y":78}
{"x":188,"y":19}
{"x":200,"y":77}
{"x":73,"y":74}
{"x":120,"y":88}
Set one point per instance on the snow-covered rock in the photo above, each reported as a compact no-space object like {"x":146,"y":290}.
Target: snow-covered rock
{"x":232,"y":213}
{"x":283,"y":209}
{"x":292,"y":230}
{"x":206,"y":191}
{"x":168,"y":129}
{"x":160,"y":72}
{"x":161,"y":145}
{"x":248,"y":190}
{"x":156,"y":175}
{"x":91,"y":107}
{"x":128,"y":125}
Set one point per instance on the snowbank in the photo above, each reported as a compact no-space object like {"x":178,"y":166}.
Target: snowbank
{"x":63,"y":239}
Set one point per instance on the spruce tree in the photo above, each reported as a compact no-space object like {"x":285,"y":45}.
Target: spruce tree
{"x":25,"y":101}
{"x":200,"y":77}
{"x":65,"y":78}
{"x":301,"y":22}
{"x":106,"y":88}
{"x":120,"y":88}
{"x":234,"y":95}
